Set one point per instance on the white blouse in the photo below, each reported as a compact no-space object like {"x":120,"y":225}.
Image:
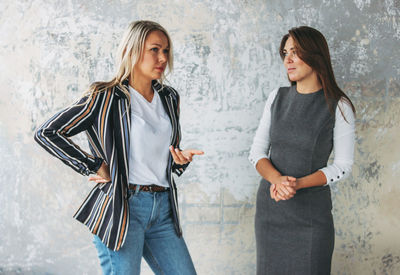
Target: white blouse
{"x":343,"y":140}
{"x":150,"y":140}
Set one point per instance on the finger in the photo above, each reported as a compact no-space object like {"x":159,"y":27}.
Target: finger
{"x":174,"y":156}
{"x":102,"y":181}
{"x":276,"y":196}
{"x":291,"y":194}
{"x":271,"y":191}
{"x":93,"y":178}
{"x":195,"y":152}
{"x":180,"y":156}
{"x":280,"y":192}
{"x":288,"y":192}
{"x":291,"y":190}
{"x":292,"y":183}
{"x":279,"y":197}
{"x":187,"y":155}
{"x":98,"y":179}
{"x":285,"y":190}
{"x":289,"y":178}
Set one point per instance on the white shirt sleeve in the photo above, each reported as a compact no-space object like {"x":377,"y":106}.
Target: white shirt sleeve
{"x":261,"y":142}
{"x":343,"y":144}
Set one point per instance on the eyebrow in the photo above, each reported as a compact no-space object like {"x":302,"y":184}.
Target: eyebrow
{"x":293,"y":48}
{"x":159,"y":45}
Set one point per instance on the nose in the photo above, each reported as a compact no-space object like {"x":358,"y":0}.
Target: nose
{"x":162,"y":57}
{"x":288,"y":59}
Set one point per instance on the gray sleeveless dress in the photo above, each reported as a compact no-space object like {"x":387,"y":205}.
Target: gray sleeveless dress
{"x":297,"y":236}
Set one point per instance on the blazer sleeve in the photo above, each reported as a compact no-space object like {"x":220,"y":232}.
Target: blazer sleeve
{"x":178,"y":169}
{"x":54,"y":135}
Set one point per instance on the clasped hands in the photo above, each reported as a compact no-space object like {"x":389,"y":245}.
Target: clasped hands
{"x":180,"y":157}
{"x":283,"y":188}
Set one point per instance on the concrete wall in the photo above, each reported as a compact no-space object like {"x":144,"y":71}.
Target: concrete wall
{"x":227,"y":63}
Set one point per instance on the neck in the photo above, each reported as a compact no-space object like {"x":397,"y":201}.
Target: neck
{"x":143,"y":86}
{"x":309,"y":85}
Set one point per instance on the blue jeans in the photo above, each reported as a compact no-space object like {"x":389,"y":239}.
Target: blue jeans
{"x":151,"y":234}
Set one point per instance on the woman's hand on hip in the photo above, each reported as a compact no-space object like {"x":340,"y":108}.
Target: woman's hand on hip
{"x":103,"y":174}
{"x":184,"y":156}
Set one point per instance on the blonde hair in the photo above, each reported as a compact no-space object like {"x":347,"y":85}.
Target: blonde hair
{"x":129,"y":51}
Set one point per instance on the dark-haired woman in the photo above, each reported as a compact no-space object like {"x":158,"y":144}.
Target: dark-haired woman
{"x":300,"y":126}
{"x":132,"y":124}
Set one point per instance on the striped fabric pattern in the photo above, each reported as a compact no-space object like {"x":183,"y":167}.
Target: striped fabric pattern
{"x":106,"y":120}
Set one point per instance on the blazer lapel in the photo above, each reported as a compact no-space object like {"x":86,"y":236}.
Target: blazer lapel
{"x":167,"y":101}
{"x":122,"y":122}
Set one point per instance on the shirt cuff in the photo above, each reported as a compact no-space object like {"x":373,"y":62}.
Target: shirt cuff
{"x":255,"y":159}
{"x":334,"y":176}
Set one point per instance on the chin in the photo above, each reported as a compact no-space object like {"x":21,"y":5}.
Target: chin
{"x":157,"y":76}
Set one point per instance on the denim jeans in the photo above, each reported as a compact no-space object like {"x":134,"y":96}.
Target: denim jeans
{"x":151,"y":234}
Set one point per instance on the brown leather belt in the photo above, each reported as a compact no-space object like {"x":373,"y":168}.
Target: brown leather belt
{"x":148,"y":188}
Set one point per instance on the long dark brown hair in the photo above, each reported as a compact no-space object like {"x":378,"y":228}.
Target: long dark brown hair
{"x":312,"y":48}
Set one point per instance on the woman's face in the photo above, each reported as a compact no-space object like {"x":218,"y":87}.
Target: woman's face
{"x":296,"y":68}
{"x":154,"y":58}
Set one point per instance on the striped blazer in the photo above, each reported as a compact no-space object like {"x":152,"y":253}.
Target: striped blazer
{"x":106,"y":120}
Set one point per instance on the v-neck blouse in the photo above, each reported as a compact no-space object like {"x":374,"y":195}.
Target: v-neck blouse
{"x":150,"y":139}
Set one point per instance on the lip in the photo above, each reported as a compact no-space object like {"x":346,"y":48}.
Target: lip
{"x":289,"y":70}
{"x":161,"y":69}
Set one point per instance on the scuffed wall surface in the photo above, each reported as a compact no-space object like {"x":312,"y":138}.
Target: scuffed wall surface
{"x":226,"y":63}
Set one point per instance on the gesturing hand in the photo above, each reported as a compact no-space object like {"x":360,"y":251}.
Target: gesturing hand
{"x":283,"y":188}
{"x":184,"y":156}
{"x":103,"y":174}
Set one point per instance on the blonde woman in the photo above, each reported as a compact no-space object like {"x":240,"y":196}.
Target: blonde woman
{"x":132,"y":125}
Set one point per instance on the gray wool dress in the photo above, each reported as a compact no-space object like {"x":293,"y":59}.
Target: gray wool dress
{"x":297,"y":236}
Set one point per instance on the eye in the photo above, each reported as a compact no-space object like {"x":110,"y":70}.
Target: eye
{"x":155,"y":49}
{"x":166,"y":51}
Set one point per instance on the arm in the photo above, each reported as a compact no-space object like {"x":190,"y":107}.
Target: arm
{"x":181,"y":158}
{"x":177,"y":168}
{"x":281,"y":185}
{"x":54,"y":135}
{"x":343,"y":146}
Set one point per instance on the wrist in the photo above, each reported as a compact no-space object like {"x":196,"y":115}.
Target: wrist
{"x":299,"y":184}
{"x":274,"y":179}
{"x":99,"y":164}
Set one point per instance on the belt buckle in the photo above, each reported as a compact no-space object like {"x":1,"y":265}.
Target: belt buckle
{"x":151,"y":189}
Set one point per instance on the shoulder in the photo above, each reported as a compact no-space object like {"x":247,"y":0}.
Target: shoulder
{"x":105,"y":89}
{"x":166,"y":90}
{"x":172,"y":91}
{"x":344,"y":111}
{"x":273,"y":94}
{"x":284,"y":89}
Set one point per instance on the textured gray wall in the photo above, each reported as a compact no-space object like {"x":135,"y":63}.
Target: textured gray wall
{"x":227,"y":62}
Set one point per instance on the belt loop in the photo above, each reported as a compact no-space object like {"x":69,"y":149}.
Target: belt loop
{"x":137,"y":189}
